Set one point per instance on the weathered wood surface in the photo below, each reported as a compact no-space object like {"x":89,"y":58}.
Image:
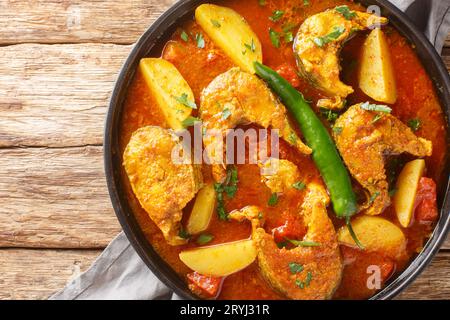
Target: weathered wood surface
{"x":37,"y":274}
{"x":54,"y":198}
{"x":53,"y":99}
{"x":77,"y":21}
{"x":56,"y":95}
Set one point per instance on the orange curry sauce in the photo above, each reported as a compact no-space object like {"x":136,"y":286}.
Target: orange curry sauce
{"x":416,"y":99}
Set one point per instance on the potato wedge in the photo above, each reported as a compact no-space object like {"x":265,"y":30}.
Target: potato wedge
{"x":231,"y":33}
{"x":220,"y":260}
{"x":376,"y":74}
{"x":202,"y":211}
{"x":376,"y":234}
{"x":407,"y":184}
{"x":170,"y":89}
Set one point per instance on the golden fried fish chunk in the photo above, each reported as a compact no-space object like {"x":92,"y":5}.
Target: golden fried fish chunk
{"x":237,"y":97}
{"x":301,"y":273}
{"x":317,"y":46}
{"x":363,"y":143}
{"x":162,"y":187}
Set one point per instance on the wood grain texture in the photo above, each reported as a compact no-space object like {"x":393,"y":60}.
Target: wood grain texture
{"x":54,"y":198}
{"x":37,"y":274}
{"x":433,"y":283}
{"x":56,"y":95}
{"x":77,"y":21}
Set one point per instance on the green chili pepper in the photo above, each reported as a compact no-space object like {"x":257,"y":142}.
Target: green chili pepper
{"x":324,"y":152}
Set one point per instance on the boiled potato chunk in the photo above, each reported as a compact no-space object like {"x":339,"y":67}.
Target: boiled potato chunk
{"x":168,"y":86}
{"x":376,"y":75}
{"x":220,"y":260}
{"x":407,"y":185}
{"x":231,"y":33}
{"x":202,"y":211}
{"x":375,"y":234}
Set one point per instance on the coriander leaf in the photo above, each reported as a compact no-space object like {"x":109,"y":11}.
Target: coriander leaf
{"x":374,"y":197}
{"x":299,"y":243}
{"x":300,"y":284}
{"x":273,"y":200}
{"x":276,"y":15}
{"x":376,"y":107}
{"x":308,"y":279}
{"x":346,"y":12}
{"x":337,"y":130}
{"x":183,"y":99}
{"x":226,"y":113}
{"x":274,"y":38}
{"x":190,"y":121}
{"x":216,"y":23}
{"x":262,"y":2}
{"x":414,"y":124}
{"x":377,"y":118}
{"x":200,"y":40}
{"x":251,"y":46}
{"x":299,"y":185}
{"x":288,"y":37}
{"x":204,"y":238}
{"x":334,"y":35}
{"x":184,"y":234}
{"x":306,"y":2}
{"x":292,"y":138}
{"x":295,"y":267}
{"x":330,"y":115}
{"x":184,"y":36}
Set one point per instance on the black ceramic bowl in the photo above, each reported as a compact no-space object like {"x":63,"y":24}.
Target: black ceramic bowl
{"x":151,"y":43}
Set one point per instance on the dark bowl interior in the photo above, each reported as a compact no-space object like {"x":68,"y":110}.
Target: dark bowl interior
{"x":151,"y":43}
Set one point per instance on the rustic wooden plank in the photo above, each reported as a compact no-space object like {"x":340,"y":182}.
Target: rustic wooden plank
{"x":433,"y":283}
{"x":447,"y":41}
{"x":77,"y":21}
{"x":37,"y":274}
{"x":55,"y":198}
{"x":56,"y":95}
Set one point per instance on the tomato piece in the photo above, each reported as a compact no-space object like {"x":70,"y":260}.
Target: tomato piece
{"x":426,"y":206}
{"x":289,"y":72}
{"x":292,"y":229}
{"x":204,"y":286}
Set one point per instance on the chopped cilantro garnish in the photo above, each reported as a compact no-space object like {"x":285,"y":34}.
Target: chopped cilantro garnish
{"x":183,"y":99}
{"x":184,"y":36}
{"x":346,"y":12}
{"x":184,"y":234}
{"x":299,"y":243}
{"x":251,"y":46}
{"x":190,"y":121}
{"x":288,"y":37}
{"x":229,"y":186}
{"x":200,"y":40}
{"x":262,"y":2}
{"x":330,"y":115}
{"x":216,"y":23}
{"x":295,"y":267}
{"x":276,"y":15}
{"x":204,"y":238}
{"x":299,"y":185}
{"x":376,"y":107}
{"x":274,"y":37}
{"x":377,"y":118}
{"x":337,"y":130}
{"x":414,"y":124}
{"x":226,"y":113}
{"x":334,"y":35}
{"x":273,"y":200}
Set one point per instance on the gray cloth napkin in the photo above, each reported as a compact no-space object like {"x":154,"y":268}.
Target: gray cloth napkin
{"x":119,"y":273}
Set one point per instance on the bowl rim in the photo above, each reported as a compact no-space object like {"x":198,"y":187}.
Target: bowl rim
{"x":112,"y":165}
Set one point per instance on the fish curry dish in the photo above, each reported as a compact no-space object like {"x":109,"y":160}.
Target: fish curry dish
{"x":284,"y":149}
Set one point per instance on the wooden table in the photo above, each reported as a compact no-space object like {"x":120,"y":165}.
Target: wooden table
{"x":58,"y":63}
